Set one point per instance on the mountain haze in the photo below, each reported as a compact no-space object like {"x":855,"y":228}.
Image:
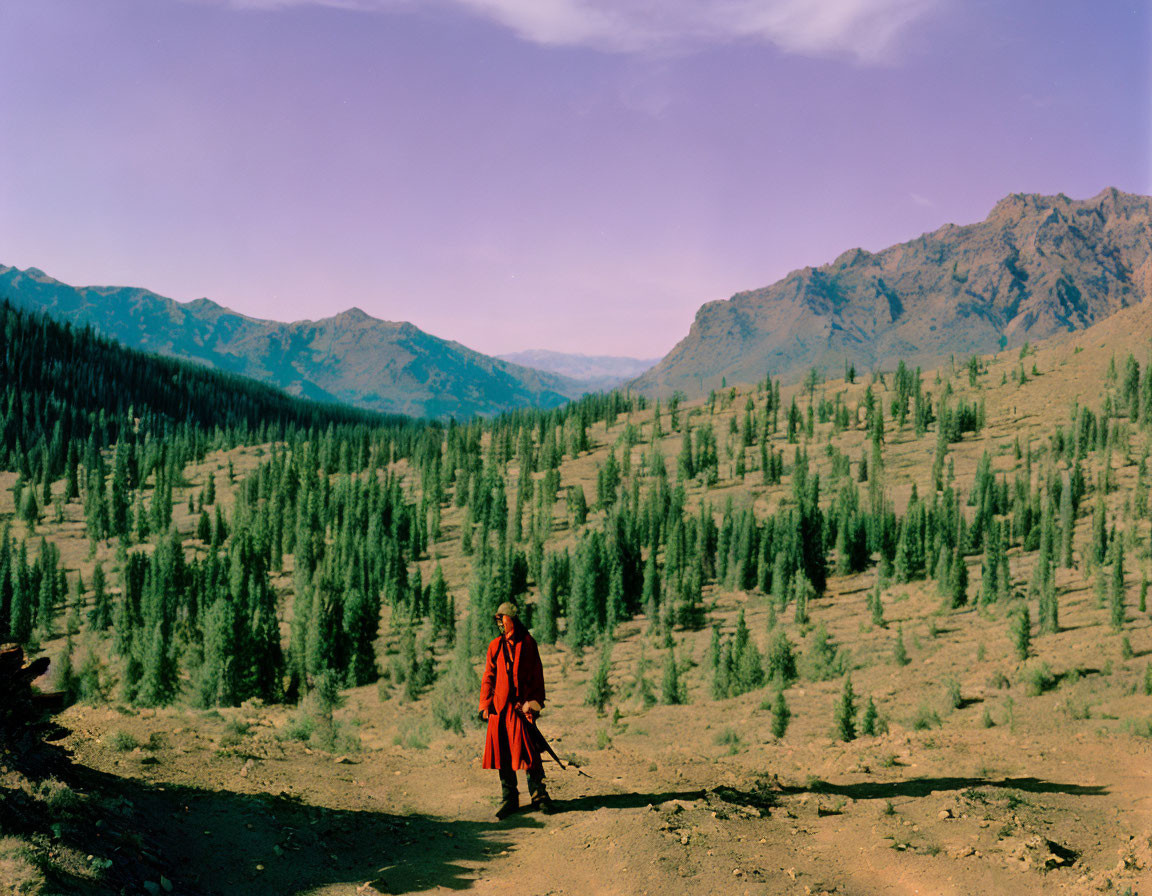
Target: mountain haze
{"x":596,"y":371}
{"x":1037,"y":266}
{"x":350,"y":358}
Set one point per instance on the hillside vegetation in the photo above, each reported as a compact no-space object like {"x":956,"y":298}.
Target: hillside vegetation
{"x":759,"y":611}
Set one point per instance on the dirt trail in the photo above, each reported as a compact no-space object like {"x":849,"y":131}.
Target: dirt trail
{"x":665,"y":811}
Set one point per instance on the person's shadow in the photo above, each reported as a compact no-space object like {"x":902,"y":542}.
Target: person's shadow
{"x":221,"y":842}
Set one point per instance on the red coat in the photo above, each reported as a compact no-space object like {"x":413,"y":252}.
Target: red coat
{"x":508,"y":744}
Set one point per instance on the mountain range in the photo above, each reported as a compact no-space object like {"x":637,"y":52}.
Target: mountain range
{"x":350,"y":358}
{"x":1035,"y":267}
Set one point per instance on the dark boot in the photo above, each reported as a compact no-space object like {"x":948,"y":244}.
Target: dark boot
{"x":538,"y":793}
{"x":509,"y":795}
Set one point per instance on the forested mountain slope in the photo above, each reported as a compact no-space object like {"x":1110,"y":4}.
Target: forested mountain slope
{"x":383,"y":366}
{"x":64,"y":388}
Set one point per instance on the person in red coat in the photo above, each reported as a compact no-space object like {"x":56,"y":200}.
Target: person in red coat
{"x":511,"y":697}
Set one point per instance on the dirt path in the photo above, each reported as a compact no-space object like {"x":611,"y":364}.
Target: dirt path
{"x":665,"y":811}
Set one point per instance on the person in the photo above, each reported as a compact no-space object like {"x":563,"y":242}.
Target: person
{"x":511,"y":697}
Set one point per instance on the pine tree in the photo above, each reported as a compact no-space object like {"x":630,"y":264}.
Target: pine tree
{"x":1067,"y":526}
{"x":780,"y":663}
{"x":990,"y":565}
{"x":650,"y":594}
{"x":1020,"y":630}
{"x":876,"y":607}
{"x":802,"y":591}
{"x":722,"y":674}
{"x":685,"y":462}
{"x":958,"y":580}
{"x":600,"y":688}
{"x":845,"y":714}
{"x":899,"y":651}
{"x":216,"y":685}
{"x":1098,"y":549}
{"x":672,"y":691}
{"x":67,"y":681}
{"x":438,"y":598}
{"x":22,"y":603}
{"x":781,"y":715}
{"x":870,"y":722}
{"x":1116,"y":589}
{"x":100,"y":616}
{"x":120,"y":498}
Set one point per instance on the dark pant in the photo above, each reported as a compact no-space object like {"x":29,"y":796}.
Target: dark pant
{"x":508,"y":786}
{"x":508,"y":774}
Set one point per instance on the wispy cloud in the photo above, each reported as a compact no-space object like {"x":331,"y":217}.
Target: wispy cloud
{"x":868,"y":31}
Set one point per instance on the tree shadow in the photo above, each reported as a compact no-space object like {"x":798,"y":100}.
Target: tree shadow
{"x":919,"y":787}
{"x":221,"y":842}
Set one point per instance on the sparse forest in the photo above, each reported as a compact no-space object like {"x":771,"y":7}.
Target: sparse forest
{"x":180,"y":538}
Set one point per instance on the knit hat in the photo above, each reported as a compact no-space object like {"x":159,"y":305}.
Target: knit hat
{"x":508,"y":609}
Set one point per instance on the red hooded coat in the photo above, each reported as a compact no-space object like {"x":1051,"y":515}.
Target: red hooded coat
{"x":508,"y":743}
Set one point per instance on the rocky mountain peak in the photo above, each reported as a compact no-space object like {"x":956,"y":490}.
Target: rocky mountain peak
{"x":1036,"y":266}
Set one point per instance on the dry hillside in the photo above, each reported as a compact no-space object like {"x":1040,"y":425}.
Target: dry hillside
{"x":985,"y":772}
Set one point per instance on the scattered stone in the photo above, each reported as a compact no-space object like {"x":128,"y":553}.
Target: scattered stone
{"x":944,"y":813}
{"x":684,"y":838}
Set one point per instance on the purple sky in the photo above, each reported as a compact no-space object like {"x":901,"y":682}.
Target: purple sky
{"x":579,"y":175}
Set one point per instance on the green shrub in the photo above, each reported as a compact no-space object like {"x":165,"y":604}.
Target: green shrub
{"x":925,"y":718}
{"x":1038,"y":679}
{"x":299,"y":728}
{"x":57,"y":796}
{"x":953,"y":698}
{"x":412,"y":735}
{"x":123,"y":741}
{"x":730,"y":739}
{"x":899,"y":651}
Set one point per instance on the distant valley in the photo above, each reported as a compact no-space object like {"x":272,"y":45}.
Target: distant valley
{"x":597,"y":371}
